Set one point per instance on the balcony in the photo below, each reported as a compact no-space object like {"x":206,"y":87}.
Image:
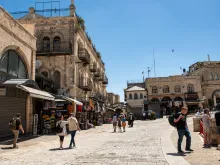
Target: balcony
{"x":97,"y":73}
{"x":92,"y":67}
{"x":64,"y":48}
{"x":102,"y":76}
{"x":105,"y":81}
{"x":86,"y":84}
{"x":191,"y":96}
{"x":84,"y":56}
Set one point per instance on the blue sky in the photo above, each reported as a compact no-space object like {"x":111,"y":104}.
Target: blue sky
{"x":125,"y":32}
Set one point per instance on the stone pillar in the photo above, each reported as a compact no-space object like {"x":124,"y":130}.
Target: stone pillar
{"x":29,"y":114}
{"x":214,"y":99}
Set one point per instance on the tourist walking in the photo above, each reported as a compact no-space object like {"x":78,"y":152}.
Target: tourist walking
{"x":123,"y":122}
{"x":15,"y":126}
{"x":119,"y":124}
{"x":73,"y":127}
{"x":61,"y":130}
{"x":182,"y":129}
{"x":114,"y":121}
{"x":217,"y":119}
{"x":206,"y":128}
{"x":131,"y":120}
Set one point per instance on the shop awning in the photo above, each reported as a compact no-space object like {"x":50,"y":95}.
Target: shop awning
{"x":36,"y":93}
{"x":72,"y":100}
{"x":59,"y":100}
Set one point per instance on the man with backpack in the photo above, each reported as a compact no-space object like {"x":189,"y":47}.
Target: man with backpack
{"x":182,"y":129}
{"x":15,"y":126}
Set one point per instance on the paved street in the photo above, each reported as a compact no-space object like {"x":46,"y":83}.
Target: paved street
{"x":147,"y":143}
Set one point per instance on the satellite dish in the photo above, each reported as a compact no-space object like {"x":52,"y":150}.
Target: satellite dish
{"x":38,"y":64}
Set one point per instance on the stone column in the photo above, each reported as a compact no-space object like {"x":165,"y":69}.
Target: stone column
{"x":29,"y":114}
{"x":214,"y":99}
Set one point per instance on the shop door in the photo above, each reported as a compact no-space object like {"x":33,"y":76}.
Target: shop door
{"x":9,"y":107}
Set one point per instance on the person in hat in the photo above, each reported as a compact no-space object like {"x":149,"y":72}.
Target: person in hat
{"x":73,"y":127}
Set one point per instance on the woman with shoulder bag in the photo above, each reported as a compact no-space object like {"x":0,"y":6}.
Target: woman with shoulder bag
{"x":61,"y":130}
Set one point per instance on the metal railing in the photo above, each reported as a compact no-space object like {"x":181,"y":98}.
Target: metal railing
{"x":93,"y":67}
{"x":84,"y":56}
{"x":86,"y":84}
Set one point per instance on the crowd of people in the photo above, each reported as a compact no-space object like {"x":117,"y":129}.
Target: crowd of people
{"x":119,"y":121}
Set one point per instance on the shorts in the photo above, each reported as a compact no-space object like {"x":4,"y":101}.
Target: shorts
{"x":206,"y":129}
{"x":61,"y":138}
{"x":123,"y":124}
{"x":115,"y":124}
{"x":218,"y":130}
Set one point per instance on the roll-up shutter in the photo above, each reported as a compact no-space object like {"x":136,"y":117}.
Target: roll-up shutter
{"x":9,"y":107}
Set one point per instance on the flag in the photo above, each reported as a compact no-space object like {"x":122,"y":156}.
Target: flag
{"x":172,"y":50}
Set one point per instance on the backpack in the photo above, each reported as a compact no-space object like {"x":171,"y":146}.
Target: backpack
{"x":13,"y":124}
{"x":58,"y":128}
{"x":171,"y":120}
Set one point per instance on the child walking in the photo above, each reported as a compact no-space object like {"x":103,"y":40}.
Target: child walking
{"x":123,"y":122}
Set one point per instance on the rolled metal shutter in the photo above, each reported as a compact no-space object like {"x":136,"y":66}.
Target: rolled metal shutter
{"x":9,"y":107}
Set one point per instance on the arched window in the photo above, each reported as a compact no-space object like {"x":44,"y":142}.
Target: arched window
{"x":211,"y":76}
{"x":56,"y":79}
{"x":177,"y":89}
{"x":45,"y":74}
{"x":190,"y":88}
{"x":166,"y":89}
{"x":12,"y":66}
{"x":56,"y":44}
{"x":135,"y":96}
{"x":154,"y":89}
{"x":130,"y":96}
{"x":46,"y":44}
{"x":141,"y":96}
{"x":216,"y":76}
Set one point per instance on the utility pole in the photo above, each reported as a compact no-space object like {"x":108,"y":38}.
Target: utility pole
{"x":148,"y":71}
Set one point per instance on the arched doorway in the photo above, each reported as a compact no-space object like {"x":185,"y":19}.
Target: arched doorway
{"x":12,"y":66}
{"x":216,"y":96}
{"x":166,"y":105}
{"x":155,"y":100}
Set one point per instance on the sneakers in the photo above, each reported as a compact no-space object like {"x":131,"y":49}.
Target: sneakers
{"x":181,"y":152}
{"x":189,"y":150}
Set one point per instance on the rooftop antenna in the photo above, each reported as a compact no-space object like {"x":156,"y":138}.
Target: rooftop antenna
{"x":154,"y":63}
{"x":143,"y":75}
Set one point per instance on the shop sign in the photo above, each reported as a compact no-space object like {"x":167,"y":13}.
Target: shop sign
{"x":35,"y":124}
{"x":2,"y":91}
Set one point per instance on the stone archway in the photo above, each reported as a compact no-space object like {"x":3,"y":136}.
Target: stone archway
{"x":155,"y":100}
{"x":216,"y":97}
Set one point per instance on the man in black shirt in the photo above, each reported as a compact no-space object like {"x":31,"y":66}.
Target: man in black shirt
{"x":217,"y":119}
{"x":16,"y":131}
{"x":182,"y":129}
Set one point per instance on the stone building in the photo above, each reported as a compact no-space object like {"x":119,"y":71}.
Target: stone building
{"x":113,"y":98}
{"x":135,"y":97}
{"x":174,"y":91}
{"x":209,"y":72}
{"x":17,"y":73}
{"x":68,"y":56}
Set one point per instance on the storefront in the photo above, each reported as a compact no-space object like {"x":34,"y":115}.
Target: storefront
{"x":18,"y":96}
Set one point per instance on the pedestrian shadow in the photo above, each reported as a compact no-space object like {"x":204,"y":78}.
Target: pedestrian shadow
{"x":56,"y":149}
{"x":176,"y":154}
{"x":7,"y":148}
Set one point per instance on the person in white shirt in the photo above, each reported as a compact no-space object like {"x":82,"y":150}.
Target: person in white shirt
{"x":206,"y":128}
{"x":61,"y":130}
{"x":73,"y":127}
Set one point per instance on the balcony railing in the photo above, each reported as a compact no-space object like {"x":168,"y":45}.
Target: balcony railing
{"x":86,"y":84}
{"x":105,"y":81}
{"x":84,"y":56}
{"x":97,"y":73}
{"x":61,"y":49}
{"x":102,"y":76}
{"x":92,"y":67}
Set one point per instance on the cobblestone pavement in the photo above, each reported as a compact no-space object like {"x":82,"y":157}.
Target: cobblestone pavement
{"x":200,"y":156}
{"x":139,"y":145}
